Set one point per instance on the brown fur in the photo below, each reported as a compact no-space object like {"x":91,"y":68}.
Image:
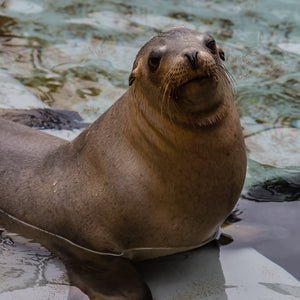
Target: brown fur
{"x":161,"y":169}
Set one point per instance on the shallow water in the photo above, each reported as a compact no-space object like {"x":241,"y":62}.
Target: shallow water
{"x":78,"y":55}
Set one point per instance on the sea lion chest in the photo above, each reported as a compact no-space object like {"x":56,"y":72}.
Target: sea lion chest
{"x":177,"y":188}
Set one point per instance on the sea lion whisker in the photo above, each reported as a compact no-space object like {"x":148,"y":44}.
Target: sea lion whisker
{"x":226,"y":75}
{"x":167,"y":104}
{"x":167,"y":92}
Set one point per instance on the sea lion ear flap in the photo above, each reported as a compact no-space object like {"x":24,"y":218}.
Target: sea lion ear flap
{"x":221,"y":53}
{"x":131,"y":77}
{"x":133,"y":74}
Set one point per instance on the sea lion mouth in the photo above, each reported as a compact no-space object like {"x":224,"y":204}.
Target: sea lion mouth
{"x":196,"y":80}
{"x":195,"y":90}
{"x":199,"y":77}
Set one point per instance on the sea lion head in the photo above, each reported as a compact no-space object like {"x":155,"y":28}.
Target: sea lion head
{"x":180,"y":73}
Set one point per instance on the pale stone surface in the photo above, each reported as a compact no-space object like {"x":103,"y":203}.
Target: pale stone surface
{"x":277,"y":147}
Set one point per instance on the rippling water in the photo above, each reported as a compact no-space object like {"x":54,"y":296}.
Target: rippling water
{"x":78,"y":55}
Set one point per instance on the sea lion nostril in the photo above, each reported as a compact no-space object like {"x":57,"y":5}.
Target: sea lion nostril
{"x":192,"y":57}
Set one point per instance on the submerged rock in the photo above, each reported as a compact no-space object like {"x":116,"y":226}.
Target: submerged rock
{"x":276,"y":190}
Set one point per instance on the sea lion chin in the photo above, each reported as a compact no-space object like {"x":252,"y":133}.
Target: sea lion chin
{"x":156,"y":174}
{"x":198,"y":95}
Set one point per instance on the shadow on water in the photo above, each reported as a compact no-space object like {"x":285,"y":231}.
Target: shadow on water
{"x":98,"y":276}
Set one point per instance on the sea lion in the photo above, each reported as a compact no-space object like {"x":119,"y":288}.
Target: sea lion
{"x":155,"y":174}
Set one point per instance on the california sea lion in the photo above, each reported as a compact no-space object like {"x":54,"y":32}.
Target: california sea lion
{"x":156,"y":174}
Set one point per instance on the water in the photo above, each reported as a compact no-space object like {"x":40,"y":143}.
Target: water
{"x":78,"y":55}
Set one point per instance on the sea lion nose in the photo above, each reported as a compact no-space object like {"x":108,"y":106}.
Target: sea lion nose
{"x":192,"y":57}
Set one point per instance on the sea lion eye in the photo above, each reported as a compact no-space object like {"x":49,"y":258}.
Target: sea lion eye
{"x":154,"y":60}
{"x":211,"y":45}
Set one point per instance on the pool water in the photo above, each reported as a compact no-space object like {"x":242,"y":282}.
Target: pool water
{"x":77,"y":55}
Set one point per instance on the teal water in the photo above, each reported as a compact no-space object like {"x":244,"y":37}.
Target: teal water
{"x":78,"y":55}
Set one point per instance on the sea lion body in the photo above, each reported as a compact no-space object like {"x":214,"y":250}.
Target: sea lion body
{"x":157,"y":173}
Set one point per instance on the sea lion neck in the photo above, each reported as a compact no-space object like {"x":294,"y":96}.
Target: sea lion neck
{"x":152,"y":128}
